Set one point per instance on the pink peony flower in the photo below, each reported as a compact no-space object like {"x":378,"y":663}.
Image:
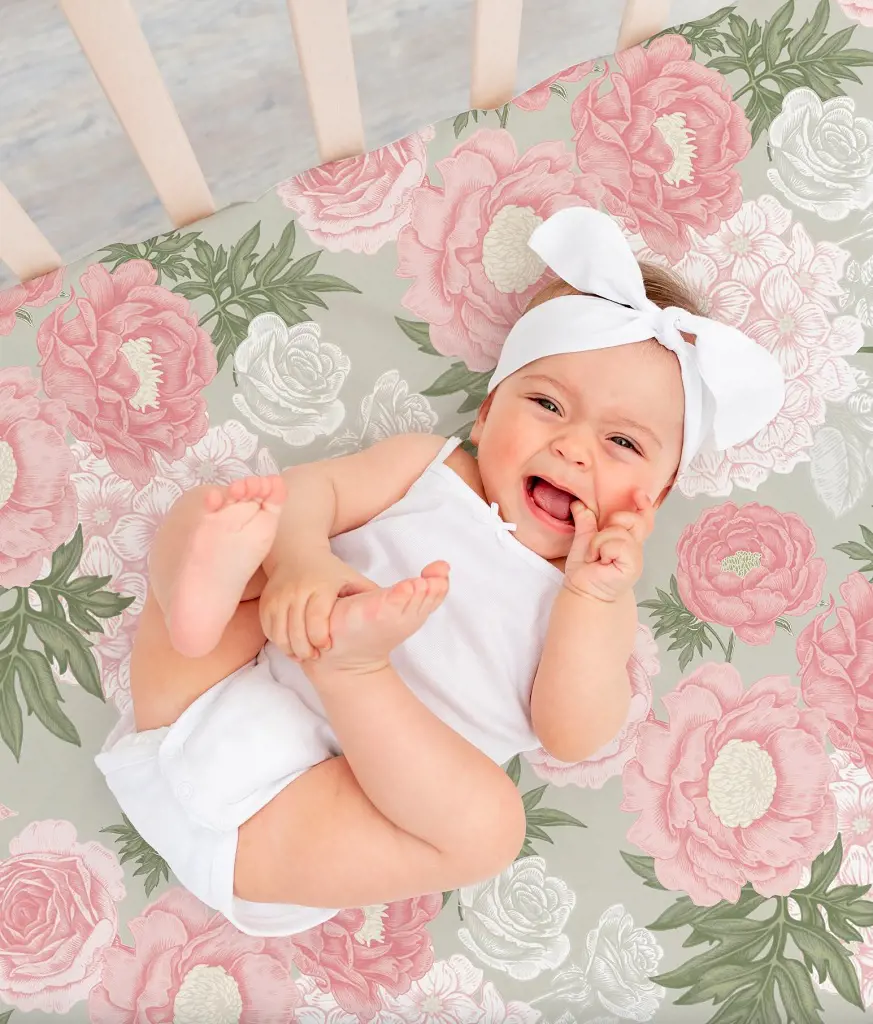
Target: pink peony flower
{"x":360,"y":203}
{"x":361,"y":953}
{"x":466,"y":243}
{"x":858,"y":10}
{"x":733,"y":788}
{"x":610,"y":759}
{"x":10,"y":300}
{"x":132,"y":365}
{"x":835,"y":670}
{"x":37,"y":496}
{"x":538,"y":97}
{"x":43,"y":289}
{"x":57,"y":916}
{"x":746,"y":567}
{"x":660,"y":148}
{"x":189,"y":963}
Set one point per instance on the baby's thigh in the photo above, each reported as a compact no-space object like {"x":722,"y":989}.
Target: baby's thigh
{"x":320,"y":842}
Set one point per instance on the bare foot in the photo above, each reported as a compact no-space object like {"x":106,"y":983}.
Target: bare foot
{"x":224,"y":552}
{"x":365,"y":628}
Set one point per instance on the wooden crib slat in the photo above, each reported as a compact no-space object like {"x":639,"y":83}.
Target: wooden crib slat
{"x":641,"y":20}
{"x":23,"y":247}
{"x":327,"y":62}
{"x":113,"y":41}
{"x":496,"y":35}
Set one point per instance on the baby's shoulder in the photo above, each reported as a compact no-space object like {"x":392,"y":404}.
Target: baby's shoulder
{"x":465,"y":465}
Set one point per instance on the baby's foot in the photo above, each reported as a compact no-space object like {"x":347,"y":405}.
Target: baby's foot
{"x":365,"y":628}
{"x":224,"y":552}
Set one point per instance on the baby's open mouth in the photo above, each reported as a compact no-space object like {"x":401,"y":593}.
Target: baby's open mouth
{"x":551,"y":499}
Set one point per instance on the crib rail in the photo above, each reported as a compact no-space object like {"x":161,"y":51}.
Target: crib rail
{"x":113,"y":42}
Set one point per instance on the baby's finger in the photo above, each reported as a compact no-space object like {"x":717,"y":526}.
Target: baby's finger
{"x":297,"y":638}
{"x":645,"y":508}
{"x":612,"y":535}
{"x":633,"y":522}
{"x":317,"y":617}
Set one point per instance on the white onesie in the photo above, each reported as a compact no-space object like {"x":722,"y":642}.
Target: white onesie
{"x":187,"y":788}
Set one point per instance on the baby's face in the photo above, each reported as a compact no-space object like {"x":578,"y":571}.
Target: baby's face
{"x":600,"y":425}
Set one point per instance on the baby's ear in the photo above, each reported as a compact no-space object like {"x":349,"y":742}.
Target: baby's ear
{"x":481,"y":416}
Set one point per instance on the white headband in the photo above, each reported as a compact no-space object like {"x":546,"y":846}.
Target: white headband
{"x":733,"y":386}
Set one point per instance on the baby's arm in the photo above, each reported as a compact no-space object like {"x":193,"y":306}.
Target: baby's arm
{"x":581,"y":691}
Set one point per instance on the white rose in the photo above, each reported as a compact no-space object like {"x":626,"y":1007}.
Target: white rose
{"x":621,"y":960}
{"x":822,"y":154}
{"x":515,"y":922}
{"x":289,"y":380}
{"x":388,"y":410}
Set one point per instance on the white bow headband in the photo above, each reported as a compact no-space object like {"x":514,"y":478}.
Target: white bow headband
{"x":733,"y":386}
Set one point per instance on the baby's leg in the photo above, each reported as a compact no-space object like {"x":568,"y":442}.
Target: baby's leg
{"x":205,"y":579}
{"x":410,"y":808}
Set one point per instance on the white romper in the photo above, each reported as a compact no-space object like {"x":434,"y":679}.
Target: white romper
{"x":188,"y":787}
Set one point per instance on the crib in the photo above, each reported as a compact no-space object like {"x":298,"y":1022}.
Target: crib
{"x":182,"y":304}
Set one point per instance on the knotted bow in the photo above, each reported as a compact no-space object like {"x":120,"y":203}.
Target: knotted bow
{"x":733,"y":386}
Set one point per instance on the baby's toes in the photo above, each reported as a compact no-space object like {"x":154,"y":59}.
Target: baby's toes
{"x":274,"y":492}
{"x":213,"y":499}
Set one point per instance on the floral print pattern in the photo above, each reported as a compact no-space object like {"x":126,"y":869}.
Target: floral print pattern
{"x":718,"y":851}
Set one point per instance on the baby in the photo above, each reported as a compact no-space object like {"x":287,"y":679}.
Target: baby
{"x":355,"y":757}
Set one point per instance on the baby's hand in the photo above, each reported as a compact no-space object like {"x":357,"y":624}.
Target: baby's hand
{"x":298,"y":599}
{"x":606,"y":564}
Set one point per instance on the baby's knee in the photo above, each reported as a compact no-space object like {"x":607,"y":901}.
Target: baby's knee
{"x":495,"y":842}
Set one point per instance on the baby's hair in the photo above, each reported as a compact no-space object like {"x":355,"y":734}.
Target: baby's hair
{"x":663,"y":287}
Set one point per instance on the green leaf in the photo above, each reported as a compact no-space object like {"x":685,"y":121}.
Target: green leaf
{"x":447,"y":895}
{"x":783,"y":623}
{"x":748,"y":959}
{"x":644,"y":867}
{"x":773,"y":32}
{"x":551,"y":817}
{"x":458,"y":378}
{"x":419,"y":333}
{"x":460,"y":123}
{"x":513,"y":769}
{"x":11,"y":721}
{"x":22,"y":314}
{"x":557,"y":89}
{"x":42,"y":696}
{"x":811,"y":33}
{"x":688,"y":634}
{"x":133,"y":847}
{"x":67,"y":647}
{"x":241,"y":258}
{"x":4,"y":1017}
{"x":533,"y":797}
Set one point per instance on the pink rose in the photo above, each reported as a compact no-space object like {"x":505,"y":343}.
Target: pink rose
{"x":189,"y":963}
{"x":660,"y":148}
{"x":360,"y":203}
{"x":37,"y":496}
{"x":858,"y":10}
{"x":10,"y":300}
{"x":466,"y":243}
{"x":746,"y":567}
{"x":538,"y":97}
{"x":131,"y":365}
{"x":360,"y":952}
{"x":835,"y":670}
{"x":733,"y":788}
{"x":610,"y":759}
{"x":57,"y":916}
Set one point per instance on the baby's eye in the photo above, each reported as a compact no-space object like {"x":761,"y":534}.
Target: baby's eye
{"x":623,"y":442}
{"x":548,"y":405}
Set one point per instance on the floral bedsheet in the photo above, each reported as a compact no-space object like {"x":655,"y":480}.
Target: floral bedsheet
{"x":713,"y":862}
